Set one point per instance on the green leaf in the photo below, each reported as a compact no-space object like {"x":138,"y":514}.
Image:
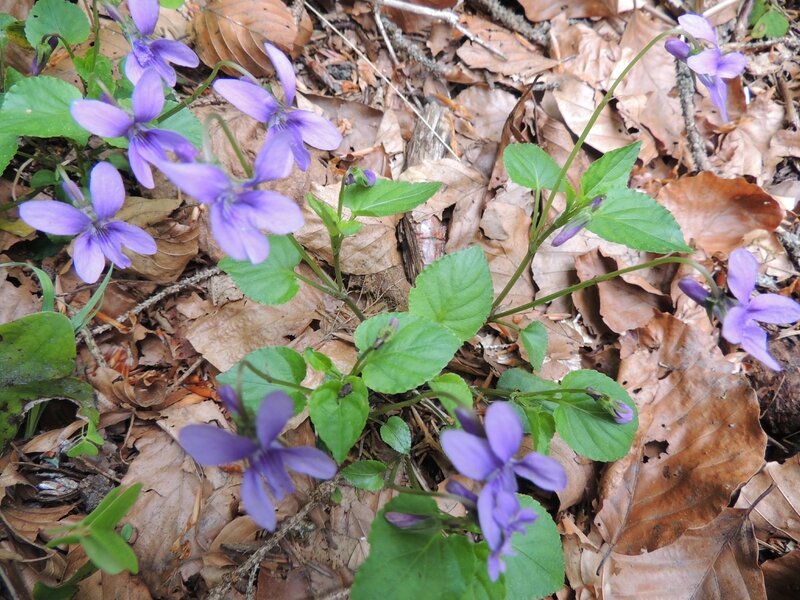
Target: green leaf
{"x":481,"y":587}
{"x":365,"y":474}
{"x":81,"y":319}
{"x":48,"y":292}
{"x":39,"y":107}
{"x":585,"y":426}
{"x":171,"y":3}
{"x":395,"y":433}
{"x":530,"y":166}
{"x":48,"y":17}
{"x":67,"y":590}
{"x":36,"y":347}
{"x":278,"y":362}
{"x":772,"y":24}
{"x":537,"y":570}
{"x":518,"y":379}
{"x":418,"y":351}
{"x":108,"y":514}
{"x":455,"y":392}
{"x":321,"y":362}
{"x":8,"y":148}
{"x":542,"y":427}
{"x":534,"y":340}
{"x":339,"y":411}
{"x":183,"y":122}
{"x":455,"y":291}
{"x":6,"y":20}
{"x":272,"y":281}
{"x":109,"y":552}
{"x":611,"y":171}
{"x":411,"y":564}
{"x":636,"y":220}
{"x":102,"y":73}
{"x":387,"y":197}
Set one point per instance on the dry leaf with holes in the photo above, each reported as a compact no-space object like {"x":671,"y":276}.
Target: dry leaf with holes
{"x":716,"y":562}
{"x":717,"y":214}
{"x":699,"y":438}
{"x":544,"y":10}
{"x":236,"y":30}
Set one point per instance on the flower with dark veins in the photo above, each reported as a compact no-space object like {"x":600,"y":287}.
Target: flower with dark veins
{"x":238,"y":211}
{"x":147,"y":145}
{"x":148,"y":52}
{"x":266,"y":480}
{"x":99,"y":236}
{"x":486,"y":453}
{"x":288,"y":129}
{"x":740,"y":325}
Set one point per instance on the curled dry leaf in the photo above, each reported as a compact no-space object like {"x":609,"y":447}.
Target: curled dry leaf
{"x":699,"y":438}
{"x":124,"y":586}
{"x":715,"y":562}
{"x":716,"y":214}
{"x":583,"y":52}
{"x":236,"y":30}
{"x":778,"y":513}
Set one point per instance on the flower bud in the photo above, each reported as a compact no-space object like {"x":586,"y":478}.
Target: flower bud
{"x":363,"y":177}
{"x":231,"y":400}
{"x":622,"y":413}
{"x":678,"y":48}
{"x":408,"y":521}
{"x":694,"y":290}
{"x":576,"y":224}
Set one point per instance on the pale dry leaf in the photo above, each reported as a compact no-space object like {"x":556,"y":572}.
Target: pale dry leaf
{"x":583,"y":52}
{"x":645,"y":94}
{"x":523,"y":60}
{"x":225,"y":336}
{"x":29,"y":522}
{"x":177,"y":245}
{"x":699,"y":438}
{"x":581,"y":474}
{"x":577,"y":101}
{"x":237,"y":29}
{"x":488,"y":107}
{"x":717,"y":214}
{"x":350,"y":523}
{"x":780,"y":576}
{"x":747,"y":150}
{"x":19,"y":294}
{"x":371,"y":250}
{"x":179,"y":511}
{"x":124,"y":586}
{"x":545,"y":10}
{"x":778,"y":513}
{"x":715,"y":562}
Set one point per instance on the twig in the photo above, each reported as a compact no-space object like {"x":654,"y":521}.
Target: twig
{"x":448,"y":16}
{"x":788,"y":101}
{"x":155,"y":298}
{"x":719,"y":7}
{"x":377,"y":71}
{"x":789,"y":40}
{"x":686,"y":94}
{"x":376,"y":14}
{"x":251,"y":565}
{"x":410,"y":48}
{"x":515,"y":22}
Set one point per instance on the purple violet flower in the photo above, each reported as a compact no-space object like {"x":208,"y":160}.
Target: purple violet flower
{"x":486,"y":453}
{"x":146,"y":145}
{"x":365,"y":177}
{"x":571,"y":229}
{"x":148,"y":52}
{"x":704,"y":57}
{"x":99,"y":236}
{"x":623,"y":414}
{"x":266,"y":480}
{"x":231,"y":400}
{"x":238,"y":211}
{"x":740,"y":325}
{"x":288,"y":129}
{"x":408,"y":520}
{"x":694,"y":290}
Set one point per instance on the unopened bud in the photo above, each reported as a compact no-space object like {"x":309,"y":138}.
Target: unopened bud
{"x":408,"y":521}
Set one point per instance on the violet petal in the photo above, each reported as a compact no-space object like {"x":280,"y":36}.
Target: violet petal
{"x":235,"y":235}
{"x":106,"y":189}
{"x":754,"y":341}
{"x":145,"y":15}
{"x":274,"y":160}
{"x":471,"y":455}
{"x":88,"y":258}
{"x":774,"y":308}
{"x":284,"y":70}
{"x":275,"y":411}
{"x":257,"y":502}
{"x":251,"y":99}
{"x":503,"y":430}
{"x":213,"y":446}
{"x":698,"y":27}
{"x":315,"y":130}
{"x":731,"y":65}
{"x":51,"y":216}
{"x":133,"y":237}
{"x":742,"y":274}
{"x":734,"y":324}
{"x":101,"y":118}
{"x":705,"y":62}
{"x":175,"y":52}
{"x":148,"y":97}
{"x":202,"y":181}
{"x":542,"y":470}
{"x":309,"y":461}
{"x":273,"y":211}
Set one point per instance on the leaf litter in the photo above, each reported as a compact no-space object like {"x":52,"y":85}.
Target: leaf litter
{"x":705,"y":500}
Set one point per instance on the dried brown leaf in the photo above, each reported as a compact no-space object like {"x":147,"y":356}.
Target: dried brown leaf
{"x":523,"y":60}
{"x":778,"y":513}
{"x":780,"y":576}
{"x":717,"y":214}
{"x":715,"y":562}
{"x":544,"y":10}
{"x":237,"y":29}
{"x":699,"y":438}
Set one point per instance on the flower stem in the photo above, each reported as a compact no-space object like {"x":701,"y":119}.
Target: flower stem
{"x":203,"y":87}
{"x":412,"y":401}
{"x":248,"y":170}
{"x":269,"y":379}
{"x":608,"y":276}
{"x":332,"y":290}
{"x":537,"y":238}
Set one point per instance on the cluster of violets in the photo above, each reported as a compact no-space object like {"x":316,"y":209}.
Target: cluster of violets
{"x":239,"y":212}
{"x":703,"y":56}
{"x":741,"y":314}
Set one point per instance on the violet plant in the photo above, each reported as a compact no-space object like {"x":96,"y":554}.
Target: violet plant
{"x":507,"y":545}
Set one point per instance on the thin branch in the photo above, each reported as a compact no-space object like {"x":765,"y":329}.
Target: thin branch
{"x":686,"y":94}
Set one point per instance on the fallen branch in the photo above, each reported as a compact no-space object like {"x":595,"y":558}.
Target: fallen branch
{"x":686,"y":94}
